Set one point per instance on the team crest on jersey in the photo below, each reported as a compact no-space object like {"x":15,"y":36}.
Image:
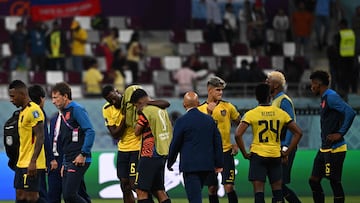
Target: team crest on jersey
{"x":223,"y":112}
{"x":36,"y":114}
{"x":67,"y":115}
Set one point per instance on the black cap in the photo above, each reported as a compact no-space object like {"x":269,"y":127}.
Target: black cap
{"x":137,"y":94}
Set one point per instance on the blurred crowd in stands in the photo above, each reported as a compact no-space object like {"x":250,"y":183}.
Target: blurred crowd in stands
{"x":239,"y":42}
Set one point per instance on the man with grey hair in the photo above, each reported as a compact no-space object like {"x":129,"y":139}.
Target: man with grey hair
{"x":277,"y":83}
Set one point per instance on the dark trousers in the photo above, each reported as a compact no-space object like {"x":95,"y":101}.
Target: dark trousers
{"x":55,"y":186}
{"x":194,"y":182}
{"x":73,"y":186}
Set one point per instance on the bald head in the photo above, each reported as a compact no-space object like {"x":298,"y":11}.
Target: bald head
{"x":191,"y":100}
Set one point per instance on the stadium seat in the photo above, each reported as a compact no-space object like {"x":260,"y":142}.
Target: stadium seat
{"x":54,"y":76}
{"x":289,"y":49}
{"x":128,"y":77}
{"x":5,"y":50}
{"x":101,"y":64}
{"x":88,"y":49}
{"x":4,"y":77}
{"x":4,"y":36}
{"x":264,"y":62}
{"x":85,"y":22}
{"x":10,"y":22}
{"x":150,"y":89}
{"x":20,"y":75}
{"x":238,"y":60}
{"x":186,"y":49}
{"x":239,"y":49}
{"x":274,"y":49}
{"x":277,"y":62}
{"x":270,"y":35}
{"x":153,"y":63}
{"x":177,"y":36}
{"x":117,"y":21}
{"x":73,"y":77}
{"x":221,"y":49}
{"x":66,"y":23}
{"x":125,"y":36}
{"x":162,"y":83}
{"x":204,"y":49}
{"x":211,"y":61}
{"x":194,"y":36}
{"x":93,"y":36}
{"x":133,"y":22}
{"x":37,"y":77}
{"x":172,"y":62}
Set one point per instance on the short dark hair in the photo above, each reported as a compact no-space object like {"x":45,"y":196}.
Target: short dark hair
{"x":63,"y":88}
{"x":138,"y":94}
{"x":17,"y":84}
{"x":262,"y":92}
{"x":36,"y":92}
{"x":106,"y":90}
{"x":321,"y":76}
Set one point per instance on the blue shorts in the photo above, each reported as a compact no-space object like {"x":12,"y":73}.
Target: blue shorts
{"x":126,"y":164}
{"x":228,"y":173}
{"x":262,"y":167}
{"x":150,"y":175}
{"x":28,"y":183}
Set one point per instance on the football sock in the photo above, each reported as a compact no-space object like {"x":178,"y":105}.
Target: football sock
{"x":290,"y":195}
{"x":317,"y":191}
{"x":338,"y":191}
{"x":259,"y":197}
{"x":232,"y":197}
{"x":277,"y":196}
{"x":213,"y":199}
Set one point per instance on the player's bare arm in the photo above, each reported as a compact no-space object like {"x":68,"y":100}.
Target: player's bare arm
{"x":38,"y":130}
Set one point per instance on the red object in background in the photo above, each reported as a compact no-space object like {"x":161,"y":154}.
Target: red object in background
{"x":42,"y":12}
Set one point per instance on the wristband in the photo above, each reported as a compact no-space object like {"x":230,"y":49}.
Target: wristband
{"x":284,"y":148}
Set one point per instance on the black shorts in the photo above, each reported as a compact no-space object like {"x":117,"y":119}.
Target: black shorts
{"x":31,"y":184}
{"x":262,"y":167}
{"x":150,"y":174}
{"x":332,"y":169}
{"x":228,"y":173}
{"x":127,"y":164}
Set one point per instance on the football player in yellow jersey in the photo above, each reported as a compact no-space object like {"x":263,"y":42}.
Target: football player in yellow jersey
{"x":224,"y":113}
{"x":128,"y":144}
{"x":31,"y":163}
{"x":268,"y":125}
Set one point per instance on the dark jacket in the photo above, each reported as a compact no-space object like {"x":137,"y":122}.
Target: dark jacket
{"x":336,"y":116}
{"x":198,"y":140}
{"x":77,"y":118}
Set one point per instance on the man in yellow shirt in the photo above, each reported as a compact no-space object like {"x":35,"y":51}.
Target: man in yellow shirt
{"x":78,"y":41}
{"x":224,"y":113}
{"x":31,"y":162}
{"x":268,"y":125}
{"x":92,"y":79}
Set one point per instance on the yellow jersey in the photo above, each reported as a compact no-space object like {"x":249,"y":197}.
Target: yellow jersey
{"x":223,"y":114}
{"x":267,"y":123}
{"x":128,"y":141}
{"x":28,"y":118}
{"x":78,"y":48}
